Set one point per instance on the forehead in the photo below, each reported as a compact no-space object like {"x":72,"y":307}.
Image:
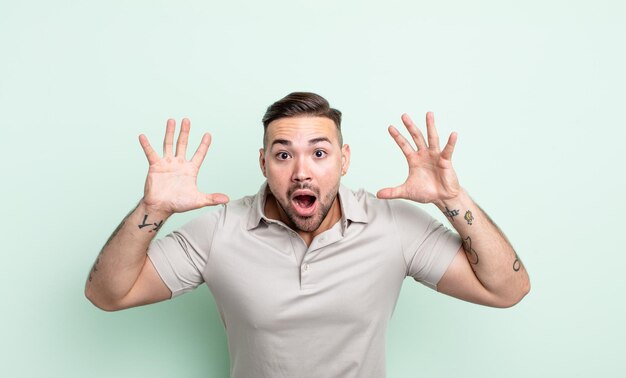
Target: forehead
{"x":301,"y":128}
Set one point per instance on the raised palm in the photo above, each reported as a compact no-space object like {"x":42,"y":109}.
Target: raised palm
{"x":431,"y":175}
{"x":171,"y":185}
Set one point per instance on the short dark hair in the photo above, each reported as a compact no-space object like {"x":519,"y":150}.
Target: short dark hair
{"x":302,"y":104}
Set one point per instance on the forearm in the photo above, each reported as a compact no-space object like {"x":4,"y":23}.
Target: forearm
{"x":120,"y":261}
{"x":492,"y":258}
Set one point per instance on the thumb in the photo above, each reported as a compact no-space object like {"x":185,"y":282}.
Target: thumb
{"x":389,"y":193}
{"x":215,"y":199}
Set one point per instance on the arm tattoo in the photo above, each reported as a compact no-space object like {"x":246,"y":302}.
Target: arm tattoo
{"x":156,"y":226}
{"x":472,"y":256}
{"x":94,"y":269}
{"x":517,"y":264}
{"x":469,"y":217}
{"x":451,"y":213}
{"x":95,"y":265}
{"x":117,"y":230}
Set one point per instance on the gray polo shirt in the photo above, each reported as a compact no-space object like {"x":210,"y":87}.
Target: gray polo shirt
{"x":295,"y":311}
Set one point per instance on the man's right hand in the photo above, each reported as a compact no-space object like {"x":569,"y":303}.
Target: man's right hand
{"x":171,"y":185}
{"x":123,"y":276}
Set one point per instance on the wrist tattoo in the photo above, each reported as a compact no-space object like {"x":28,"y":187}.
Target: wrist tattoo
{"x":157,"y":226}
{"x":451,"y":213}
{"x":469,"y":217}
{"x":472,"y":256}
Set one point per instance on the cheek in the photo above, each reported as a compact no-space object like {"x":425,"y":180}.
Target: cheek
{"x":329,"y":174}
{"x":332,"y":168}
{"x":279,"y":176}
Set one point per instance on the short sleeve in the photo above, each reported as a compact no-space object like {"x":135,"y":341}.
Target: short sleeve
{"x":181,"y":256}
{"x":428,"y":246}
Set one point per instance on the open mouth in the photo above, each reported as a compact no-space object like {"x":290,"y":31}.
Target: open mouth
{"x":304,"y":203}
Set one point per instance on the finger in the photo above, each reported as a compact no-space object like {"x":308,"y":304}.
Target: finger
{"x":433,"y":137}
{"x":449,"y":148}
{"x":401,"y":141}
{"x":215,"y":199}
{"x":183,"y":138}
{"x":151,"y":154}
{"x":416,"y":134}
{"x":389,"y":193}
{"x":198,"y":157}
{"x":168,"y":142}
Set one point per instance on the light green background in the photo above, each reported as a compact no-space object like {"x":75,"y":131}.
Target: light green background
{"x":535,"y":90}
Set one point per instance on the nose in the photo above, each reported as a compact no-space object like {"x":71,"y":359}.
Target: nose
{"x":301,"y":172}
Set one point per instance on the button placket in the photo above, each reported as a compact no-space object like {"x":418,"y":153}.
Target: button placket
{"x":305,"y":274}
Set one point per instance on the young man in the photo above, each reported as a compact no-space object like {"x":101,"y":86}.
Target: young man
{"x":306,"y":273}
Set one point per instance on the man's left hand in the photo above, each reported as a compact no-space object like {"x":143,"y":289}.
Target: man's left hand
{"x":432,"y":178}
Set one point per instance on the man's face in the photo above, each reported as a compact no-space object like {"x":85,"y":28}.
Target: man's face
{"x":303,"y":163}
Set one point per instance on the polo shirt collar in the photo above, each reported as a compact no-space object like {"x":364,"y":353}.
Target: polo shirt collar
{"x":351,"y":209}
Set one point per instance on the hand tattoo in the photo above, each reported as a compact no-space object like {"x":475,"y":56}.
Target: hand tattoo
{"x":469,"y":217}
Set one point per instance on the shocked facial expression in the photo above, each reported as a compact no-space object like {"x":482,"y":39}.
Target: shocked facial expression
{"x":303,"y":163}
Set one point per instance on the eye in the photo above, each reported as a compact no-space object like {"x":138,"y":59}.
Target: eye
{"x":282,"y":155}
{"x":320,"y":153}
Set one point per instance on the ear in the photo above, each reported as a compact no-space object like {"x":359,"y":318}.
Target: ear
{"x":262,"y":161}
{"x":345,"y":159}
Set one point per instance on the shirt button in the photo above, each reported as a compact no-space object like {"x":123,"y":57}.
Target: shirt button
{"x":305,"y":267}
{"x":322,"y":238}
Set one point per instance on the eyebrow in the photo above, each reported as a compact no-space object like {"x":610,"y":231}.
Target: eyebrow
{"x":319,"y":140}
{"x":313,"y":141}
{"x":284,"y":142}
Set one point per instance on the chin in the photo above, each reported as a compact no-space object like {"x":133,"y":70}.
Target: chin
{"x":308,"y":225}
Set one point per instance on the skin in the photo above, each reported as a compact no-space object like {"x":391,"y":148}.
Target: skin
{"x":302,"y":155}
{"x":486,"y":269}
{"x":123,"y":276}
